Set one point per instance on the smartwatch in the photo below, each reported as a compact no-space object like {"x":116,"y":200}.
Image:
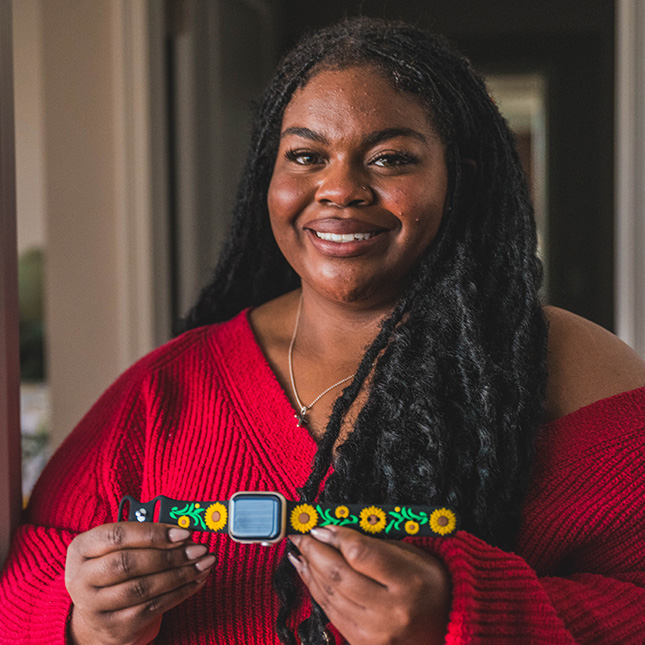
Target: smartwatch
{"x":260,"y":517}
{"x":257,"y":517}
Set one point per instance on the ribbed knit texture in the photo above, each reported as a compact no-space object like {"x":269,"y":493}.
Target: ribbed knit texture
{"x":204,"y":417}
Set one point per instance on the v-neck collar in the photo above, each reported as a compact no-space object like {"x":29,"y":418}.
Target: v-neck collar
{"x":262,"y":403}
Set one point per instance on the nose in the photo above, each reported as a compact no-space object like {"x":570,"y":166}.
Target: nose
{"x":342,"y":185}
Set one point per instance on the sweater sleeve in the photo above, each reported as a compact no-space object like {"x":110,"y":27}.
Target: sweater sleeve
{"x":79,"y":489}
{"x":578,"y":574}
{"x":499,"y":598}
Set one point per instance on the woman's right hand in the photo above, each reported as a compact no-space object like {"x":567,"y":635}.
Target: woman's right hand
{"x":122,"y":578}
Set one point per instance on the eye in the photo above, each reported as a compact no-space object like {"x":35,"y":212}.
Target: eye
{"x":392,"y":159}
{"x":304,"y":157}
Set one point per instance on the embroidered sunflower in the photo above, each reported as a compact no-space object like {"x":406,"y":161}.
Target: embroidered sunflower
{"x":216,"y":516}
{"x":342,"y":512}
{"x":411,"y":527}
{"x":304,"y":518}
{"x":184,"y":521}
{"x":372,"y":519}
{"x":443,"y":521}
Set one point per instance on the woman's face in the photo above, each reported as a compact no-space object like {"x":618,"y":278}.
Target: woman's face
{"x":358,"y":188}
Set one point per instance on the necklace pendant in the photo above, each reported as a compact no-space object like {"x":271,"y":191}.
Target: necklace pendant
{"x":302,"y":417}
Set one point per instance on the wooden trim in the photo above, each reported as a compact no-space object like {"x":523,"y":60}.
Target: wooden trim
{"x":630,"y":173}
{"x":10,"y":457}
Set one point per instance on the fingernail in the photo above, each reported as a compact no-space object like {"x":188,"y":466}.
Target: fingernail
{"x":295,"y":561}
{"x":321,"y":534}
{"x":195,"y":551}
{"x":177,"y":535}
{"x":206,"y":563}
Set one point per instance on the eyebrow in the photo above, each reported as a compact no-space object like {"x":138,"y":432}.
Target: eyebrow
{"x":305,"y":133}
{"x":369,"y":140}
{"x":390,"y":133}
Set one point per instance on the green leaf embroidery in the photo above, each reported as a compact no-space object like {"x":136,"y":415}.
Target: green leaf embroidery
{"x":191,"y":511}
{"x":326,"y":516}
{"x":404,"y":514}
{"x":329,"y":518}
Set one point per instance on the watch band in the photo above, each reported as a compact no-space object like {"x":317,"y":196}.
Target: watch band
{"x":382,"y":520}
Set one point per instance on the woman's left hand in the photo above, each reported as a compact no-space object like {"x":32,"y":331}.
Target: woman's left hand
{"x":375,"y":591}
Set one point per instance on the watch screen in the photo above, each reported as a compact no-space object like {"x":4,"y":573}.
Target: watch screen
{"x":256,"y":517}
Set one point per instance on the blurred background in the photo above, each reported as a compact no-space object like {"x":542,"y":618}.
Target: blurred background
{"x":132,"y":119}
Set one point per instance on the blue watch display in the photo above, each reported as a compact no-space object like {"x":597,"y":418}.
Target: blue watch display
{"x":257,"y":517}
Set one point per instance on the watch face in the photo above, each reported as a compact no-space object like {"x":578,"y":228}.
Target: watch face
{"x":255,"y":517}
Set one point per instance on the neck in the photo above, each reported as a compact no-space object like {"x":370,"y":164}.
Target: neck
{"x":331,"y":340}
{"x":337,"y":333}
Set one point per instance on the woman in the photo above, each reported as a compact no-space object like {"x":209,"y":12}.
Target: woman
{"x":384,"y":242}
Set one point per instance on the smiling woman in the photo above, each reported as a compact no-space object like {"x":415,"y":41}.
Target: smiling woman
{"x":384,"y":241}
{"x":358,"y":188}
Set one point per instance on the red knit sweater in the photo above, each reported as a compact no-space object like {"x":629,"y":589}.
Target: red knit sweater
{"x":204,"y":417}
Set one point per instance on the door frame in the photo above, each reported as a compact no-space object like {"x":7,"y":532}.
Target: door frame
{"x":630,"y":174}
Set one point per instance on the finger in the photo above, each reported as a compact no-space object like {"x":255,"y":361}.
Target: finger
{"x":125,"y":564}
{"x":345,"y":614}
{"x":141,"y":614}
{"x":127,"y":535}
{"x":410,"y":574}
{"x":328,"y":568}
{"x":143,"y":589}
{"x":324,"y":594}
{"x":383,"y":561}
{"x":401,"y":580}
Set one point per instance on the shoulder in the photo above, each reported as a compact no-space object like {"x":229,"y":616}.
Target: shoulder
{"x":586,"y":363}
{"x":193,"y":351}
{"x":170,"y":360}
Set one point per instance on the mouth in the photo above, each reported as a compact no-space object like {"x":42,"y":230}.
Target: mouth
{"x":346,"y":245}
{"x":344,"y":238}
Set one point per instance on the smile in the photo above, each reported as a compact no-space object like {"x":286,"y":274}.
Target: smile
{"x":344,"y":237}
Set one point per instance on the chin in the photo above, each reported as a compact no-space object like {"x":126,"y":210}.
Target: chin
{"x":361,"y":296}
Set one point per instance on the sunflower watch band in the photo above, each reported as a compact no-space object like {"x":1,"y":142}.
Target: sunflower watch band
{"x":266,"y":518}
{"x":381,"y":520}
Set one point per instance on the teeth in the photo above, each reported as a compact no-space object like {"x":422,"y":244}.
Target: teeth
{"x":345,"y":237}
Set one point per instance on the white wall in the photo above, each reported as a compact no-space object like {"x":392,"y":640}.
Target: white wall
{"x":91,"y":162}
{"x":85,"y":187}
{"x":28,"y":100}
{"x":81,"y":278}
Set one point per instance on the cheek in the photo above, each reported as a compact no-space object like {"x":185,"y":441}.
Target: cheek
{"x":422,"y":215}
{"x":399,"y":202}
{"x":285,"y":199}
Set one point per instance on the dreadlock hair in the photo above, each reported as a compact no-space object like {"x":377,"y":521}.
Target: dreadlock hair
{"x":458,"y":370}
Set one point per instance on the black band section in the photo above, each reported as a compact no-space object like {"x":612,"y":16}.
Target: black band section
{"x":194,"y":516}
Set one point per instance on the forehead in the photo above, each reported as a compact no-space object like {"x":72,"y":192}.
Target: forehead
{"x":356,"y":98}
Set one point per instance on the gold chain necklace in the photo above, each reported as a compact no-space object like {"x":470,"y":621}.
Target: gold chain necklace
{"x":302,"y":415}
